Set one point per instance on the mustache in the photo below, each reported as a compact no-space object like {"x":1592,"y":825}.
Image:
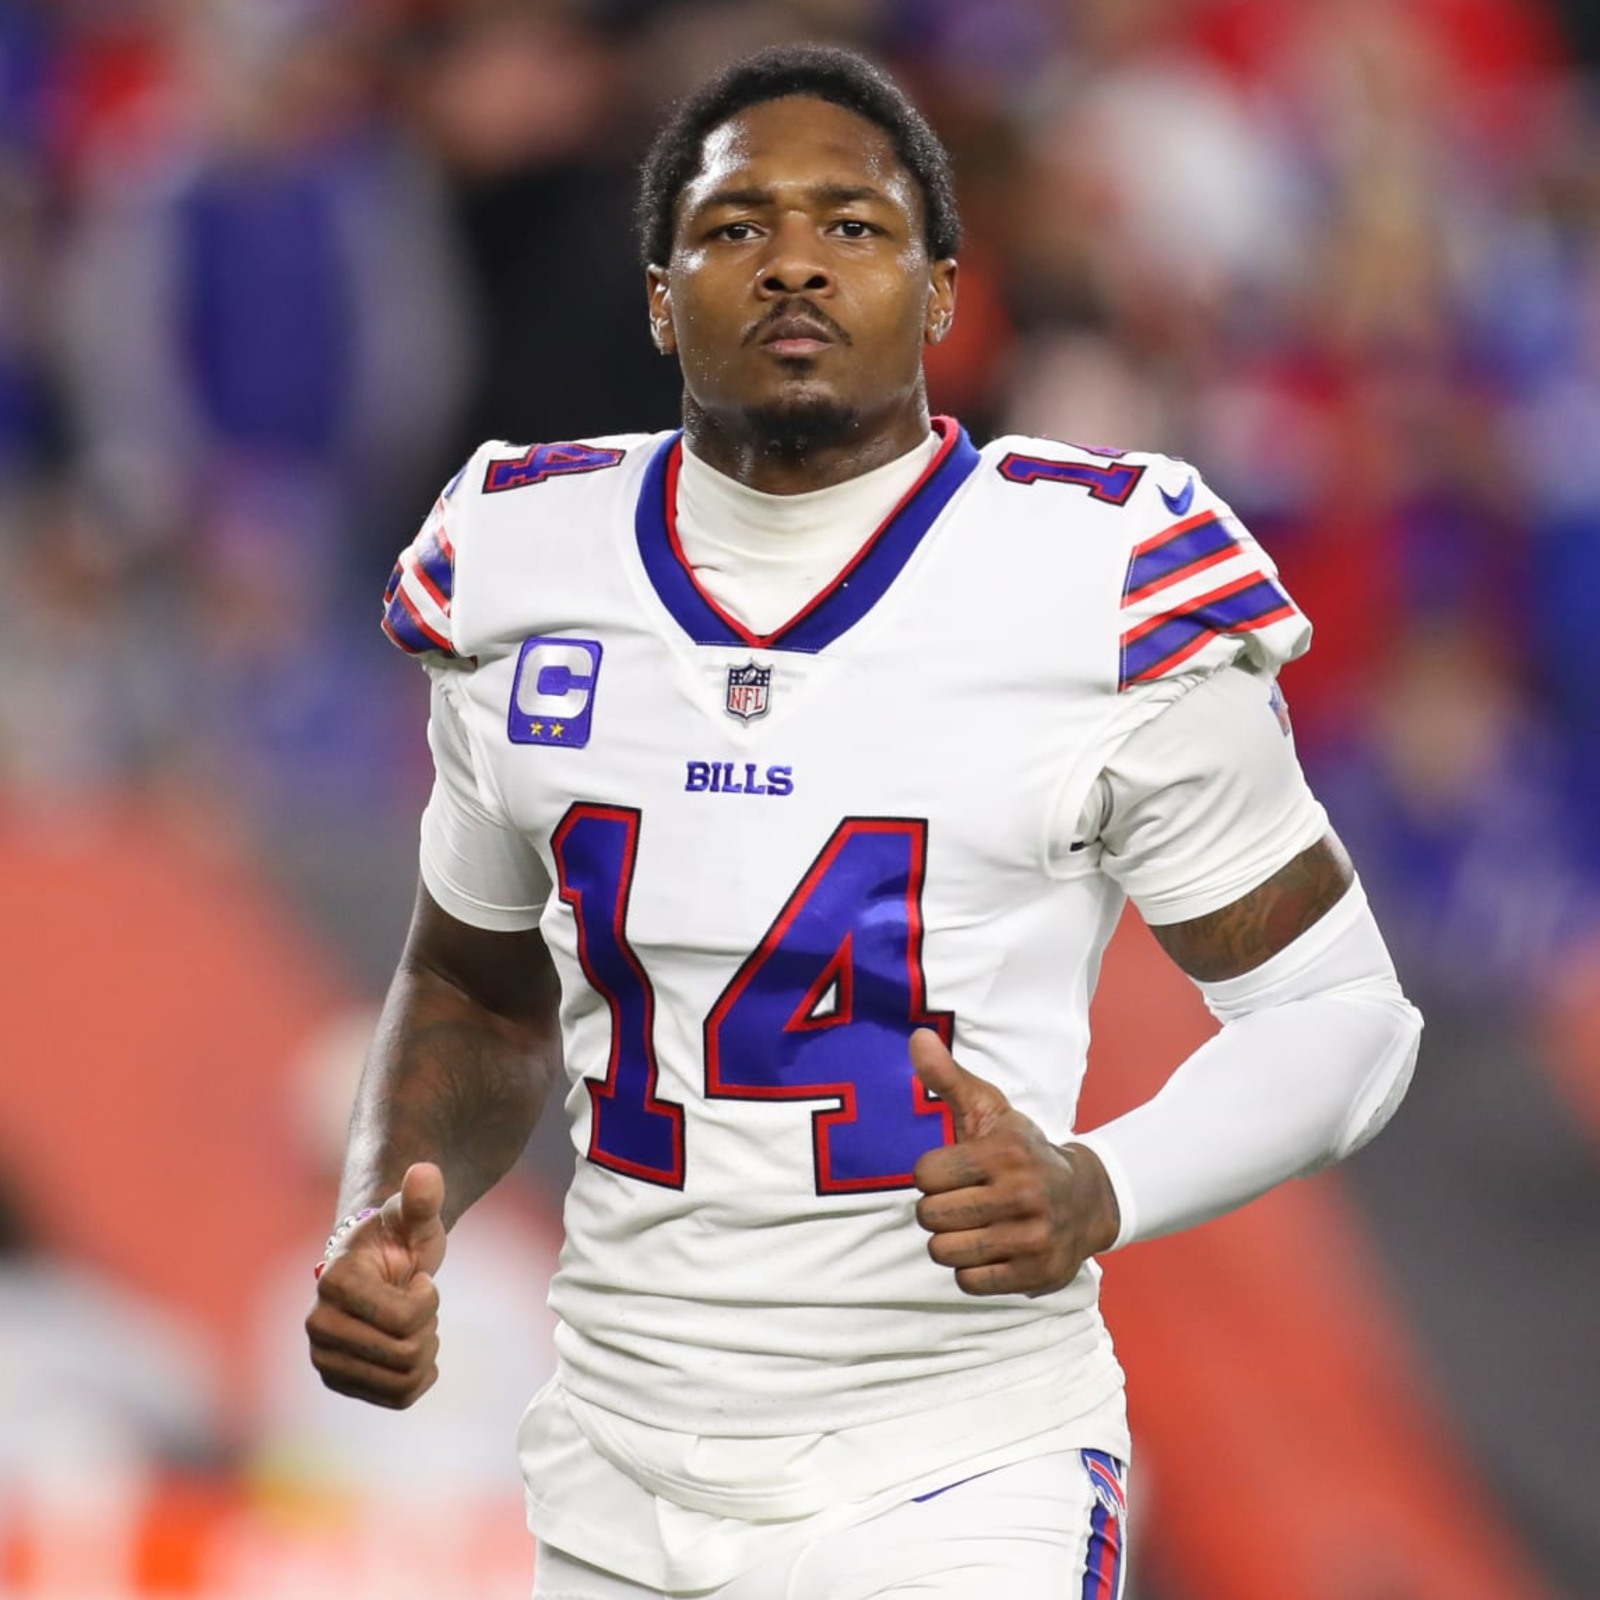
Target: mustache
{"x":796,"y":306}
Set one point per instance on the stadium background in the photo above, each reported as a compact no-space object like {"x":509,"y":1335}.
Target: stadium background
{"x":269,"y":268}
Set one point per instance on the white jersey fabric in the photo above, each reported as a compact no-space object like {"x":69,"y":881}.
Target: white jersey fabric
{"x":759,"y":860}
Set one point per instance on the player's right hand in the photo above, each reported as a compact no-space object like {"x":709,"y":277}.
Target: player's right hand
{"x":374,"y":1329}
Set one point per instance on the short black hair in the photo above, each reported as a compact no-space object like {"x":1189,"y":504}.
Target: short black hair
{"x":822,"y":73}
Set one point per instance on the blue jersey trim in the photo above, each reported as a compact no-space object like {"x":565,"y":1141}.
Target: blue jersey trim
{"x":844,"y":602}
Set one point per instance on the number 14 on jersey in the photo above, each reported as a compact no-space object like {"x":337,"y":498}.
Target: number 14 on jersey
{"x":820,"y":1010}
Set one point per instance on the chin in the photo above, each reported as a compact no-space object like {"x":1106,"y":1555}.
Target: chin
{"x":802,"y":424}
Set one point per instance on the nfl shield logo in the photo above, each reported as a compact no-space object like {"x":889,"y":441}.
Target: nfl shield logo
{"x":747,"y":691}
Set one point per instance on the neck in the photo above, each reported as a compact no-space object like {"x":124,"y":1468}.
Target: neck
{"x":796,"y":454}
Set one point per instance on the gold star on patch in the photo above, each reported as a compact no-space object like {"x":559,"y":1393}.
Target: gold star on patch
{"x":557,"y":729}
{"x":536,"y":729}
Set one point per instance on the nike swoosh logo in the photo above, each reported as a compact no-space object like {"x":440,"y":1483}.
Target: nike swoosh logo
{"x":1178,"y":504}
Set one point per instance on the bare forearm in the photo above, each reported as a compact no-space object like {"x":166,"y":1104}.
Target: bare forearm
{"x":446,"y":1081}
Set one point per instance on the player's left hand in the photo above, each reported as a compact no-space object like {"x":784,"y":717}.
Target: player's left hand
{"x":1009,"y":1211}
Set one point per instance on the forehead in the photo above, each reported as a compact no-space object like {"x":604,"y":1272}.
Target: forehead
{"x":803,"y":141}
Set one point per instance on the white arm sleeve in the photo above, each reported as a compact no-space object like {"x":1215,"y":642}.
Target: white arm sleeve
{"x":478,"y":867}
{"x":1316,"y":1050}
{"x":1198,"y":807}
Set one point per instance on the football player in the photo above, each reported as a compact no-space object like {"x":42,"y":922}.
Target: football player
{"x":792,"y":771}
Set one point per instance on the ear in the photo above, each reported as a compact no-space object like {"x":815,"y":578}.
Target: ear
{"x":659,"y":293}
{"x":941,"y":309}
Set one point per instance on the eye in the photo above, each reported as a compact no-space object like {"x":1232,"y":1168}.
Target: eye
{"x":736,"y":232}
{"x":855,"y":228}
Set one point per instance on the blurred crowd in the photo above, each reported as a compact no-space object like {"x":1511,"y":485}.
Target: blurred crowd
{"x":270,"y":268}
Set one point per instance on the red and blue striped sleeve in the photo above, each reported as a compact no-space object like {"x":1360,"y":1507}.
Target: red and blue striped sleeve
{"x":417,"y":601}
{"x":1200,"y":592}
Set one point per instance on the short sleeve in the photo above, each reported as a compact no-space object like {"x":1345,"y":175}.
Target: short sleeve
{"x":419,"y":599}
{"x":1205,"y":801}
{"x":1200,"y":592}
{"x":474,"y":863}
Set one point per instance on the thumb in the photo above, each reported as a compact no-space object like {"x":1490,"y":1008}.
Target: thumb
{"x":414,"y":1217}
{"x":975,"y":1104}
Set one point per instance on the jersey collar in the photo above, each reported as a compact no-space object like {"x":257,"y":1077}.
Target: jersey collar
{"x":838,"y":607}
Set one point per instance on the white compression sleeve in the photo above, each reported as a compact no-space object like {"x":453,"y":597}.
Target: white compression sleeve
{"x":1316,"y":1050}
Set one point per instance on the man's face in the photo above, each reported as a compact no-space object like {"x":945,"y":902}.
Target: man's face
{"x":799,"y":285}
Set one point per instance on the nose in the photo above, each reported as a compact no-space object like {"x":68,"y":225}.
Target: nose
{"x":794,"y":262}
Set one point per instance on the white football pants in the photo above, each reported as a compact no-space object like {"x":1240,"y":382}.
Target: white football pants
{"x":1052,"y":1528}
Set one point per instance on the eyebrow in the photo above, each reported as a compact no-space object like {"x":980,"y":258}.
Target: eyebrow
{"x":834,"y":194}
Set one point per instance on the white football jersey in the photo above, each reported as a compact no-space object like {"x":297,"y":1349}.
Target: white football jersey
{"x":760,"y":862}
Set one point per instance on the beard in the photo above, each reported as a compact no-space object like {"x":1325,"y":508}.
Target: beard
{"x":790,"y":430}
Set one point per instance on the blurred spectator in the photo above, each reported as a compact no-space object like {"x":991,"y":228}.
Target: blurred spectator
{"x":1538,"y":319}
{"x":93,"y":636}
{"x":528,"y":106}
{"x":1455,"y":804}
{"x":27,"y":422}
{"x":265,"y":353}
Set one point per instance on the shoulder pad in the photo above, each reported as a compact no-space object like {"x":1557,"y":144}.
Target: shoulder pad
{"x":1198,"y":591}
{"x":419,"y":598}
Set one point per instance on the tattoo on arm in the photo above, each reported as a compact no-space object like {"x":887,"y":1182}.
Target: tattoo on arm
{"x":464,"y":1057}
{"x":1241,"y":936}
{"x":452,"y":1089}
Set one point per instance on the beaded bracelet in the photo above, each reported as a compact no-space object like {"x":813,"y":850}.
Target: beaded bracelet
{"x":340,"y":1229}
